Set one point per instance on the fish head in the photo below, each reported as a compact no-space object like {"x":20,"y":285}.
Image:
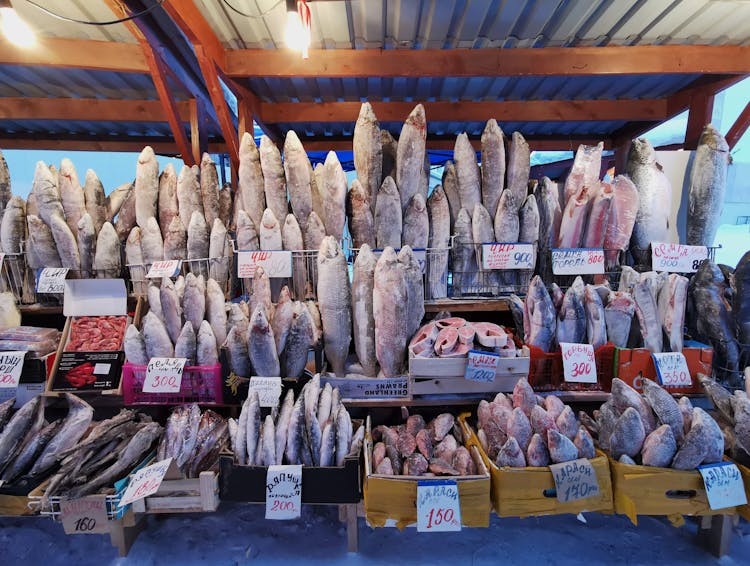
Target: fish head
{"x":641,"y":151}
{"x":366,"y":113}
{"x":269,"y":220}
{"x":259,"y":320}
{"x":330,"y":248}
{"x":418,"y":203}
{"x":713,"y":139}
{"x":417,"y":118}
{"x":147,"y":154}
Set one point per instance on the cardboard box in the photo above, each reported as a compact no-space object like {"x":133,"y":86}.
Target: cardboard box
{"x":530,"y":492}
{"x":91,"y":297}
{"x":33,"y":379}
{"x":392,"y":499}
{"x":645,"y":490}
{"x":632,"y":365}
{"x":178,"y":494}
{"x":546,"y":370}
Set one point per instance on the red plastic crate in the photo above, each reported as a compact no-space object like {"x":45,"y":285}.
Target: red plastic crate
{"x":200,"y":384}
{"x":546,"y":371}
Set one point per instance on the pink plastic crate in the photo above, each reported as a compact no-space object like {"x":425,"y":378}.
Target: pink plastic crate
{"x":200,"y":384}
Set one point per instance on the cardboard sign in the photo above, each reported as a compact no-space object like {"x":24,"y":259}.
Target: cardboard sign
{"x":11,"y":366}
{"x":672,"y":369}
{"x":275,"y":264}
{"x":677,"y":258}
{"x":438,"y":506}
{"x":577,"y":261}
{"x":84,"y":516}
{"x":420,"y":254}
{"x":160,"y":269}
{"x":579,"y":363}
{"x":52,"y":280}
{"x":575,"y":480}
{"x":268,"y":388}
{"x":283,"y":492}
{"x":508,"y":256}
{"x":145,"y":482}
{"x":369,"y":387}
{"x":164,"y":375}
{"x":481,"y":366}
{"x":724,"y":485}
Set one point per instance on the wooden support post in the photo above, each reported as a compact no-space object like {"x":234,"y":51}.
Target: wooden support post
{"x":122,"y":537}
{"x":701,"y":107}
{"x":245,"y":115}
{"x":739,"y":127}
{"x":198,"y":137}
{"x":715,"y":534}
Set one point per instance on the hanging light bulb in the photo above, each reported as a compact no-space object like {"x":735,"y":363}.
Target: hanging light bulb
{"x":297,"y":35}
{"x":13,"y":27}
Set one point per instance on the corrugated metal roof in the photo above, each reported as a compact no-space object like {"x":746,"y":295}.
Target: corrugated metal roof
{"x":438,"y":24}
{"x":70,"y":127}
{"x":48,"y":26}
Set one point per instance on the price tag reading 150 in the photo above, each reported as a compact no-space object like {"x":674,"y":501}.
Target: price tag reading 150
{"x":164,"y":375}
{"x":438,"y":506}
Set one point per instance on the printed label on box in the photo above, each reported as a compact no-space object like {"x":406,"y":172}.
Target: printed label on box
{"x":577,"y":261}
{"x":481,"y":366}
{"x":672,"y":369}
{"x":167,"y":268}
{"x":508,"y":256}
{"x":438,"y":506}
{"x":579,"y":363}
{"x":275,"y":264}
{"x":724,"y":485}
{"x":77,"y":371}
{"x":283,"y":492}
{"x":370,"y":388}
{"x":52,"y":280}
{"x":575,"y":480}
{"x":677,"y":258}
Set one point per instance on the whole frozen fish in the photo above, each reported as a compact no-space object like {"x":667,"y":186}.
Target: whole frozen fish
{"x":317,"y":186}
{"x":274,"y":184}
{"x":624,"y":396}
{"x":410,"y":156}
{"x":571,"y":318}
{"x":168,"y":206}
{"x":648,"y":315}
{"x":218,"y":263}
{"x":298,"y":341}
{"x":507,"y":222}
{"x":158,"y":343}
{"x":298,"y":179}
{"x":360,"y":211}
{"x":518,"y":168}
{"x":665,"y":407}
{"x":107,"y":257}
{"x":43,"y":244}
{"x":216,"y":312}
{"x":622,"y":215}
{"x":414,"y":290}
{"x":175,"y":240}
{"x":247,"y":234}
{"x":71,"y":194}
{"x":261,"y":290}
{"x":390,"y":309}
{"x":96,"y":202}
{"x":671,"y":303}
{"x":250,"y":174}
{"x":282,"y":318}
{"x":450,"y":186}
{"x":209,"y":183}
{"x":550,"y":214}
{"x":416,"y":225}
{"x":146,"y":186}
{"x":198,"y":241}
{"x":86,"y":244}
{"x":116,"y":199}
{"x":390,"y":151}
{"x":270,"y":232}
{"x":467,"y":172}
{"x":618,"y":314}
{"x":15,"y":430}
{"x":225,"y":204}
{"x":659,"y":447}
{"x":708,"y":184}
{"x":152,"y":245}
{"x":261,"y":345}
{"x":5,"y":191}
{"x":628,"y":435}
{"x":126,"y":215}
{"x":334,"y":196}
{"x":334,"y":302}
{"x":154,"y":299}
{"x":464,"y":260}
{"x":186,"y":345}
{"x":66,"y":243}
{"x":47,"y":194}
{"x":539,"y":316}
{"x":596,"y":327}
{"x":194,"y":299}
{"x":585,"y":171}
{"x":388,"y":215}
{"x":13,"y":226}
{"x":291,"y":238}
{"x":482,"y":229}
{"x":438,"y":212}
{"x":206,"y":353}
{"x":368,"y":154}
{"x":529,"y":221}
{"x":561,"y":448}
{"x":598,"y":221}
{"x":493,"y":166}
{"x":135,"y":347}
{"x":363,"y":319}
{"x":575,"y":219}
{"x":315,"y":232}
{"x":188,"y":195}
{"x":237,"y":343}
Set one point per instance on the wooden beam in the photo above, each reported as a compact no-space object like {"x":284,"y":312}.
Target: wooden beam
{"x":465,"y":111}
{"x":488,"y":62}
{"x":245,"y":115}
{"x":701,"y":108}
{"x":76,"y":53}
{"x":88,"y":109}
{"x":739,"y":127}
{"x":162,"y":146}
{"x":198,"y":137}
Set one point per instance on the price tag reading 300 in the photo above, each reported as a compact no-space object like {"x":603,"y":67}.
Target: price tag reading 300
{"x":164,"y":375}
{"x":438,"y":506}
{"x":579,"y":362}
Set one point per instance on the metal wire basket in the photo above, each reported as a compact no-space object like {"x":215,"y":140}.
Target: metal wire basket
{"x":470,"y":280}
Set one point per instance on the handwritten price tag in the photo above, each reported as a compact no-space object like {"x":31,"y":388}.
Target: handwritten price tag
{"x":160,"y":269}
{"x":275,"y":264}
{"x":438,"y":506}
{"x":145,"y":482}
{"x":672,"y":369}
{"x":508,"y":256}
{"x":724,"y":485}
{"x":677,"y":258}
{"x":579,"y":364}
{"x":283,"y":492}
{"x":575,"y":480}
{"x":52,"y":280}
{"x":481,"y":366}
{"x":268,"y":388}
{"x":11,"y":365}
{"x":164,"y":375}
{"x":84,"y":516}
{"x":577,"y":261}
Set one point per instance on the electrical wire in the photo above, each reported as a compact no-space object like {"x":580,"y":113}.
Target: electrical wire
{"x":246,"y":15}
{"x":90,"y":23}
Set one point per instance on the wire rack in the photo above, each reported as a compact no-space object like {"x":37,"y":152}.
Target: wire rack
{"x":613,"y":261}
{"x":472,"y":281}
{"x":219,"y":269}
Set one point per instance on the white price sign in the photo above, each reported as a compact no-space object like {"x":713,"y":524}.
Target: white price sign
{"x":84,"y":516}
{"x":577,"y":261}
{"x":275,"y":264}
{"x":164,"y":375}
{"x":145,"y":482}
{"x":677,"y":258}
{"x":11,"y":365}
{"x":579,"y":363}
{"x":160,"y":269}
{"x":52,"y":280}
{"x":724,"y":485}
{"x":268,"y":388}
{"x":575,"y":480}
{"x":481,"y":366}
{"x":420,"y":254}
{"x":508,"y":256}
{"x":283,"y":492}
{"x":438,"y":506}
{"x":672,"y":369}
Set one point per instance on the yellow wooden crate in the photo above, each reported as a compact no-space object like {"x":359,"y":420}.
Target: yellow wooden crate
{"x":530,"y":492}
{"x":15,"y":505}
{"x":646,"y":490}
{"x":744,"y":510}
{"x":393,"y":499}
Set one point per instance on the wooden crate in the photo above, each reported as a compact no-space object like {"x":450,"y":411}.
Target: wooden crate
{"x":530,"y":492}
{"x":179,"y":495}
{"x":15,"y":505}
{"x":435,"y":376}
{"x":744,"y":510}
{"x":393,"y":499}
{"x":645,"y":490}
{"x":634,"y":365}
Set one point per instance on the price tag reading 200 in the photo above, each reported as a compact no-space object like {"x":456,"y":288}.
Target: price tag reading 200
{"x":164,"y":375}
{"x":438,"y":506}
{"x":283,"y":492}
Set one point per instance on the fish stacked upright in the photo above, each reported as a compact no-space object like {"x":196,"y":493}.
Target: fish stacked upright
{"x":314,"y":430}
{"x":733,"y":416}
